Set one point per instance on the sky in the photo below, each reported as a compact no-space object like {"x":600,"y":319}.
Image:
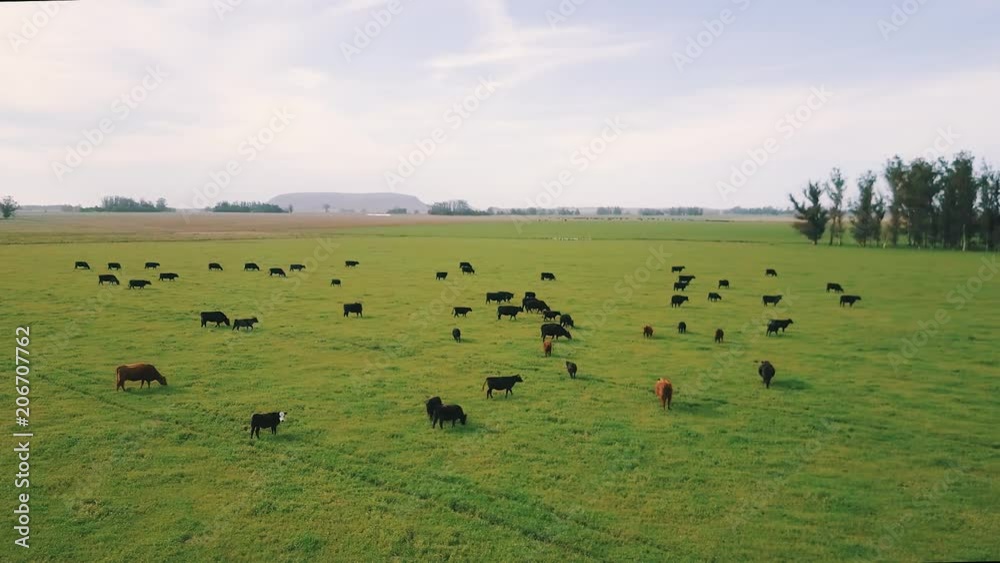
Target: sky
{"x":512,"y":103}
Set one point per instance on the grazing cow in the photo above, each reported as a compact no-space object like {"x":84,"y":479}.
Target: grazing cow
{"x":468,"y":270}
{"x":678,"y":300}
{"x":712,"y":296}
{"x":535,"y":305}
{"x":445,"y":413}
{"x":849,"y":300}
{"x":772,"y":299}
{"x":682,"y":327}
{"x":723,"y":284}
{"x":270,"y":420}
{"x":109,"y":278}
{"x":114,"y":266}
{"x":168,"y":276}
{"x":335,"y":281}
{"x":276,"y":272}
{"x":245,"y":323}
{"x":566,"y":320}
{"x":766,"y":372}
{"x":781,"y":323}
{"x":665,"y":391}
{"x":548,"y":276}
{"x":143,"y":373}
{"x":353,"y":308}
{"x":440,"y":275}
{"x":217,"y":317}
{"x":685,"y":278}
{"x":550,"y":315}
{"x":501,"y":383}
{"x":138,"y":283}
{"x":571,"y":369}
{"x":499,"y":296}
{"x":509,"y":311}
{"x":465,"y":264}
{"x":771,"y":273}
{"x":555,"y":331}
{"x":251,"y":266}
{"x":547,"y":347}
{"x":296,"y":267}
{"x":214,"y":266}
{"x":151,"y":266}
{"x":461,"y":311}
{"x":432,"y":405}
{"x":680,"y":286}
{"x":81,"y":265}
{"x":351,"y":263}
{"x":835,"y":287}
{"x":676,"y":269}
{"x":529,"y":295}
{"x":456,"y":334}
{"x":719,"y":335}
{"x":647,"y":331}
{"x":772,"y":327}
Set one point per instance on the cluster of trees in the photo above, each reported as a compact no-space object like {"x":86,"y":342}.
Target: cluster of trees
{"x":535,"y":211}
{"x":942,"y":204}
{"x":609,"y":210}
{"x":8,"y":207}
{"x":757,"y":211}
{"x":397,"y":211}
{"x":454,"y":207}
{"x":673,"y":211}
{"x":121,"y":204}
{"x":248,"y":207}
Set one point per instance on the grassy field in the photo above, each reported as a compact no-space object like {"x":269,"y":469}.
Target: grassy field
{"x":853,"y":454}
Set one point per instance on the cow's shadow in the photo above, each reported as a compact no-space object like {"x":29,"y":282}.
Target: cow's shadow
{"x":702,"y":407}
{"x":790,"y":384}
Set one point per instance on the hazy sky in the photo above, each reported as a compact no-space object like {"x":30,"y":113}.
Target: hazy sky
{"x":639,"y":103}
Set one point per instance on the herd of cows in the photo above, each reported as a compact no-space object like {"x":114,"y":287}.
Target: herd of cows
{"x":438,"y":411}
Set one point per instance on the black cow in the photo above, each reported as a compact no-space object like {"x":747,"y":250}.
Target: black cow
{"x":168,"y":276}
{"x":780,"y":323}
{"x":678,"y":300}
{"x":465,"y":264}
{"x":835,"y":287}
{"x":138,"y":283}
{"x":151,"y":266}
{"x":554,"y":330}
{"x":501,"y":383}
{"x":529,"y":295}
{"x":712,"y":296}
{"x":685,"y":279}
{"x":771,"y":273}
{"x":468,"y":270}
{"x":772,"y":327}
{"x":335,"y":281}
{"x":251,"y":266}
{"x":682,"y":327}
{"x":676,"y":269}
{"x":353,"y":308}
{"x":499,"y":296}
{"x":680,"y":286}
{"x":535,"y":305}
{"x":109,"y":278}
{"x":81,"y":265}
{"x":296,"y":267}
{"x":550,"y":315}
{"x":509,"y":311}
{"x":849,"y":300}
{"x":571,"y":369}
{"x":766,"y":372}
{"x":276,"y":272}
{"x":351,"y":263}
{"x":245,"y":323}
{"x":432,"y":405}
{"x":217,"y":317}
{"x":441,"y":275}
{"x":445,"y":413}
{"x":114,"y":266}
{"x":566,"y":320}
{"x":723,"y":284}
{"x":456,"y":334}
{"x":719,"y":335}
{"x":548,"y":276}
{"x":214,"y":266}
{"x":461,"y":311}
{"x":270,"y":420}
{"x":770,"y":299}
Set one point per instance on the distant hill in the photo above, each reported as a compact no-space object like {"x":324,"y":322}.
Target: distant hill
{"x":358,"y":203}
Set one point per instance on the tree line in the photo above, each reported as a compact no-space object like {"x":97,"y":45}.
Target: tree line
{"x":248,"y":207}
{"x":122,"y":204}
{"x":926,"y":204}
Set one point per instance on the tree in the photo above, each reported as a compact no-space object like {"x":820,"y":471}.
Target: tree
{"x":864,"y":225}
{"x":326,"y":207}
{"x":989,"y":207}
{"x":958,"y":201}
{"x":161,"y":204}
{"x":895,"y":175}
{"x":290,"y":208}
{"x":811,"y":214}
{"x":920,"y":189}
{"x":835,"y":191}
{"x":8,"y":207}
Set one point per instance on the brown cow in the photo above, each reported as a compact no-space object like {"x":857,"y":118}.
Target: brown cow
{"x":647,"y":331}
{"x":665,"y":391}
{"x":547,"y":347}
{"x":144,"y":373}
